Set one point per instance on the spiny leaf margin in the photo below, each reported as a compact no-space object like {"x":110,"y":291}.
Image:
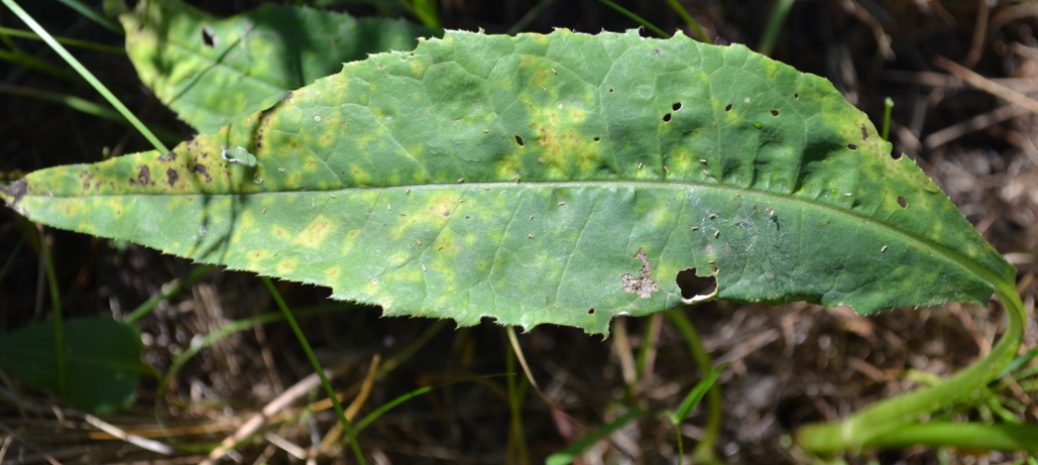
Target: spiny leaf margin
{"x":524,"y":178}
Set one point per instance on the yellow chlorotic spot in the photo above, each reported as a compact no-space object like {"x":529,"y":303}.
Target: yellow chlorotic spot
{"x":316,"y":232}
{"x":286,"y":266}
{"x":332,"y":274}
{"x":282,"y":233}
{"x":399,"y":258}
{"x":245,"y":223}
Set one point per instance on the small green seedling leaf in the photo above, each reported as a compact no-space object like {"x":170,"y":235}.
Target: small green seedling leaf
{"x":695,"y":395}
{"x":239,"y":155}
{"x":562,"y":178}
{"x":102,"y":361}
{"x":570,"y":453}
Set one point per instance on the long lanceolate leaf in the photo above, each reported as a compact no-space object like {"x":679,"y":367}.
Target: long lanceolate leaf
{"x":560,"y":178}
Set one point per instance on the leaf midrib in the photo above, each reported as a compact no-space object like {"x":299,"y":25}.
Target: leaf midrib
{"x":965,"y":262}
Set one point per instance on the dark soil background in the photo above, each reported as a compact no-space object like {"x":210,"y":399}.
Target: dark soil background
{"x":790,"y":364}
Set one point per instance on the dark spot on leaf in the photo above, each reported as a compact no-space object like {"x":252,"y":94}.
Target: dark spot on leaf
{"x":133,"y":182}
{"x":658,"y":51}
{"x":519,"y":140}
{"x":902,"y":201}
{"x":728,"y":107}
{"x":171,"y":156}
{"x":16,"y":190}
{"x":171,"y":177}
{"x":144,"y":176}
{"x":895,"y":155}
{"x":666,"y":118}
{"x":201,"y":169}
{"x":610,"y":90}
{"x":590,"y":311}
{"x":693,"y":286}
{"x":208,"y":38}
{"x":852,"y":146}
{"x":597,"y":139}
{"x":864,"y":133}
{"x":676,"y":106}
{"x":446,"y":213}
{"x":774,"y":112}
{"x":643,"y":285}
{"x":796,"y":96}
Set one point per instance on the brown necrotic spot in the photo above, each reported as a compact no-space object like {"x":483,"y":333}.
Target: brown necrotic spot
{"x":144,"y":176}
{"x":864,"y":133}
{"x":643,"y":285}
{"x":902,"y":201}
{"x":201,"y":169}
{"x":171,"y":177}
{"x":696,"y":288}
{"x":852,"y":146}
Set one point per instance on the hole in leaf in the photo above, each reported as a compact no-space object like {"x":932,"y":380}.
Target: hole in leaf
{"x":610,"y":90}
{"x":895,"y":155}
{"x":728,"y":108}
{"x":676,"y":106}
{"x":666,"y":118}
{"x":208,"y":38}
{"x":696,"y":288}
{"x":774,"y":112}
{"x":519,"y":140}
{"x":796,"y":96}
{"x":902,"y":201}
{"x":852,"y":146}
{"x":597,"y":139}
{"x":591,"y":311}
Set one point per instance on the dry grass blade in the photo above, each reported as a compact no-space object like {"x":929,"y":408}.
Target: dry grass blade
{"x":987,"y":85}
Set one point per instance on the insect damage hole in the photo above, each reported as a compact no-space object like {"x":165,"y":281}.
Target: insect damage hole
{"x":676,"y":106}
{"x":643,"y":285}
{"x":519,"y":140}
{"x":728,"y":107}
{"x":695,"y":288}
{"x":774,"y":112}
{"x":209,"y":38}
{"x":902,"y":201}
{"x":666,"y":118}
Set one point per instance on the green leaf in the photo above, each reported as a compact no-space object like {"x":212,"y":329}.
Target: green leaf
{"x":695,"y":395}
{"x":102,"y":359}
{"x":215,"y":71}
{"x":562,"y":178}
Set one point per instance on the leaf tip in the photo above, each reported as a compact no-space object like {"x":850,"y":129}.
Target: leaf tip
{"x":13,"y":193}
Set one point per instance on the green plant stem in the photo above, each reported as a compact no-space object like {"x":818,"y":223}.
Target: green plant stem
{"x":704,"y":452}
{"x":888,"y":105}
{"x":961,"y":435}
{"x":317,"y":366}
{"x":689,"y":20}
{"x":94,"y":16}
{"x":63,"y":40}
{"x":86,"y":74}
{"x":59,"y":328}
{"x":886,"y":418}
{"x":175,"y":287}
{"x":528,"y":18}
{"x":515,"y":399}
{"x":775,"y":22}
{"x":633,"y":17}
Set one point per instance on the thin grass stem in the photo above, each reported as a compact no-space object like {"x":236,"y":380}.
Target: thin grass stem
{"x":329,"y":390}
{"x":633,"y":17}
{"x":86,"y":74}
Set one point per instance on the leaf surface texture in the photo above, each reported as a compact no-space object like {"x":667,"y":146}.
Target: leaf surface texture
{"x":560,"y":178}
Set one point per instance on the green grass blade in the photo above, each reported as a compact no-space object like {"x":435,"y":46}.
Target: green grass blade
{"x":86,"y":74}
{"x":571,"y":453}
{"x":92,"y":15}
